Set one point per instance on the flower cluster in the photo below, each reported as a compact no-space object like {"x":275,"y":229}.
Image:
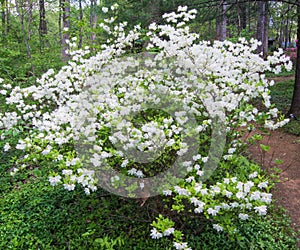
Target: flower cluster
{"x":118,"y":110}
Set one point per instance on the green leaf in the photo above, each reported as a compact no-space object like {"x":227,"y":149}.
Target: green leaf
{"x":265,"y":148}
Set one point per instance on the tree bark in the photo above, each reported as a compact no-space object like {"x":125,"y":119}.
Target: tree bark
{"x":65,"y":4}
{"x":154,"y":10}
{"x":242,"y":16}
{"x":221,"y":22}
{"x":262,"y":28}
{"x":266,"y":30}
{"x":93,"y":20}
{"x":80,"y":18}
{"x":3,"y":17}
{"x":43,"y":23}
{"x":26,"y":34}
{"x":295,"y":105}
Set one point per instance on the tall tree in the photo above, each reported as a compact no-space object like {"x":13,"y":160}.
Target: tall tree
{"x":221,"y":21}
{"x":3,"y":16}
{"x":154,"y":10}
{"x":262,"y":27}
{"x":21,"y":11}
{"x":93,"y":19}
{"x":80,"y":18}
{"x":65,"y":6}
{"x":295,"y":105}
{"x":43,"y":23}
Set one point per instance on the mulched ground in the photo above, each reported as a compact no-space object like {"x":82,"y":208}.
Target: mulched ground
{"x":285,"y":147}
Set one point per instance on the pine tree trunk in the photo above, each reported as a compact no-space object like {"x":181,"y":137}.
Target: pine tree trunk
{"x":154,"y":9}
{"x":3,"y":17}
{"x":93,"y":20}
{"x":221,"y":22}
{"x":65,"y":4}
{"x":295,"y":106}
{"x":262,"y":28}
{"x":266,"y":30}
{"x":80,"y":18}
{"x":43,"y":23}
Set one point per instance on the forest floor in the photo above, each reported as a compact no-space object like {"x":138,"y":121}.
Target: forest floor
{"x":284,"y":149}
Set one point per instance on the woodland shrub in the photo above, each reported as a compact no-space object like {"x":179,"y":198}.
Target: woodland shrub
{"x":145,"y":124}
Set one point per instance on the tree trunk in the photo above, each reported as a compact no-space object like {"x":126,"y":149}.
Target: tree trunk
{"x":26,"y":34}
{"x":7,"y":17}
{"x":80,"y":18}
{"x":286,"y":33}
{"x":262,"y":28}
{"x":3,"y":17}
{"x":295,"y":106}
{"x":266,"y":30}
{"x":59,"y":21}
{"x":65,"y":4}
{"x":43,"y":23}
{"x":93,"y":20}
{"x":249,"y":17}
{"x":221,"y":22}
{"x":154,"y":10}
{"x":281,"y":35}
{"x":242,"y":16}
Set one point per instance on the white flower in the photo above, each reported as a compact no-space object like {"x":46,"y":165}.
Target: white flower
{"x":181,"y":191}
{"x":265,"y":197}
{"x":218,"y":227}
{"x":190,"y":179}
{"x":226,"y":180}
{"x":132,"y":171}
{"x":14,"y":171}
{"x":240,"y":195}
{"x":21,"y":145}
{"x":69,"y":187}
{"x":182,"y":9}
{"x":67,"y":172}
{"x":255,"y":196}
{"x":263,"y":185}
{"x":253,"y":175}
{"x":231,"y":150}
{"x":139,"y":174}
{"x":153,"y":26}
{"x":104,"y":9}
{"x":181,"y":246}
{"x":168,"y":231}
{"x":167,"y":192}
{"x":261,"y":210}
{"x":155,"y":234}
{"x":87,"y":191}
{"x":6,"y":147}
{"x":243,"y":216}
{"x":228,"y":194}
{"x":212,"y":211}
{"x":200,"y":173}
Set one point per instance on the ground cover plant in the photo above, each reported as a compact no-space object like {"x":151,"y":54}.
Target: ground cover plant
{"x":101,"y":123}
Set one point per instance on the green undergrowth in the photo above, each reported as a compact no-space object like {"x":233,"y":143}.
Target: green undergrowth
{"x":282,"y":93}
{"x":35,"y":215}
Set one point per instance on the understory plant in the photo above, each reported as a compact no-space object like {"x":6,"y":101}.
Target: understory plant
{"x":162,"y":122}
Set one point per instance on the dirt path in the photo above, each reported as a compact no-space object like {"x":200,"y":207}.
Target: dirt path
{"x":286,"y":148}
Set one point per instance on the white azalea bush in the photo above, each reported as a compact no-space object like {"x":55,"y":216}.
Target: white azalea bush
{"x":116,"y":121}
